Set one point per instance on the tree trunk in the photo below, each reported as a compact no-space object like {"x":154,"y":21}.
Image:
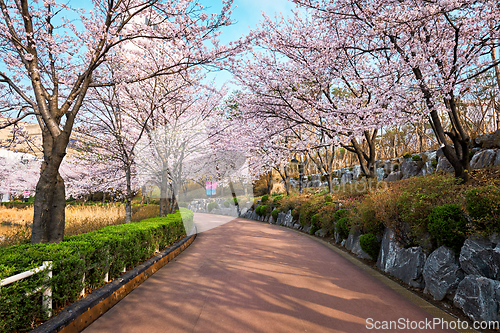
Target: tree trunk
{"x":366,"y":161}
{"x":269,"y":178}
{"x":328,"y":177}
{"x":163,"y":193}
{"x":50,"y":196}
{"x":172,"y":201}
{"x":128,"y":205}
{"x":287,"y":181}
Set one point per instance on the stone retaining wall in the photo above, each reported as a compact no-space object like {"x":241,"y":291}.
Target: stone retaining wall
{"x":471,"y":278}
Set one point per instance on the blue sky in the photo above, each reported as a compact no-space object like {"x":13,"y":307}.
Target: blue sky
{"x":247,"y":14}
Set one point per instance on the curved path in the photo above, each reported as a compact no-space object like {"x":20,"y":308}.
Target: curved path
{"x":247,"y":276}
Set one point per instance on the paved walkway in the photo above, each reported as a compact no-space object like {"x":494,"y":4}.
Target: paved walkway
{"x":247,"y":276}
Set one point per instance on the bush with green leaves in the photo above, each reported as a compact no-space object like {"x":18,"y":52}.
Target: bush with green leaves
{"x":211,"y":206}
{"x":340,"y":214}
{"x":448,"y":226}
{"x":263,"y":210}
{"x":228,"y":203}
{"x":342,"y":227}
{"x":370,"y":245}
{"x":483,"y":206}
{"x":328,"y":198}
{"x":264,"y":198}
{"x":274,"y":214}
{"x":416,"y":158}
{"x":406,"y":155}
{"x":315,"y":224}
{"x":419,"y":197}
{"x":94,"y":254}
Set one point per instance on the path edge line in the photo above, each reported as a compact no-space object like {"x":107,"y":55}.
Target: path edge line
{"x":77,"y":316}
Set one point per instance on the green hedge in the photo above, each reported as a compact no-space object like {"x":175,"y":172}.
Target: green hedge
{"x":274,"y":214}
{"x":212,"y":206}
{"x":448,"y":226}
{"x":263,"y":210}
{"x":94,"y":254}
{"x":370,"y":245}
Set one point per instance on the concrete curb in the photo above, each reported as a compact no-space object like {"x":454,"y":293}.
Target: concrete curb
{"x":77,"y":316}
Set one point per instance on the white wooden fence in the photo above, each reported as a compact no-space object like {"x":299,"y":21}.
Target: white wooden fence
{"x":47,"y":290}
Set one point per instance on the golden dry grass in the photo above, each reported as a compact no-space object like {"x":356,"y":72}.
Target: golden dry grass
{"x":79,"y":219}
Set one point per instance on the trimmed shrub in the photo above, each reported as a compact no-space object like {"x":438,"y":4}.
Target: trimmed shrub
{"x":94,"y":254}
{"x":370,"y":244}
{"x":447,"y":225}
{"x":328,"y":198}
{"x":342,"y":227}
{"x":264,"y":198}
{"x":340,"y":214}
{"x":395,"y":168}
{"x":228,"y":203}
{"x":416,"y":158}
{"x":406,"y":155}
{"x":212,"y":206}
{"x":263,"y":210}
{"x":274,"y":214}
{"x":315,"y":225}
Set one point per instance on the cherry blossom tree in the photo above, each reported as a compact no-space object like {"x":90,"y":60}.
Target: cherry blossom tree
{"x":312,"y":76}
{"x":440,"y":46}
{"x":50,"y":62}
{"x":176,"y":143}
{"x":18,"y":172}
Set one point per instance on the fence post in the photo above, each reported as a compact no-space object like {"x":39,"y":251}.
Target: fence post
{"x":47,"y":294}
{"x":83,"y":282}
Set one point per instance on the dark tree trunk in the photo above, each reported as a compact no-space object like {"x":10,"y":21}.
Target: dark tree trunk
{"x":50,"y":196}
{"x":328,"y":177}
{"x":269,"y":179}
{"x":366,"y":161}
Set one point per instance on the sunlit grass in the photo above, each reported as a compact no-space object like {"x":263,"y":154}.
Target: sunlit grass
{"x":79,"y":219}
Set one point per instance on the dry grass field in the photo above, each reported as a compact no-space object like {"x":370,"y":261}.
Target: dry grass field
{"x":79,"y":219}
